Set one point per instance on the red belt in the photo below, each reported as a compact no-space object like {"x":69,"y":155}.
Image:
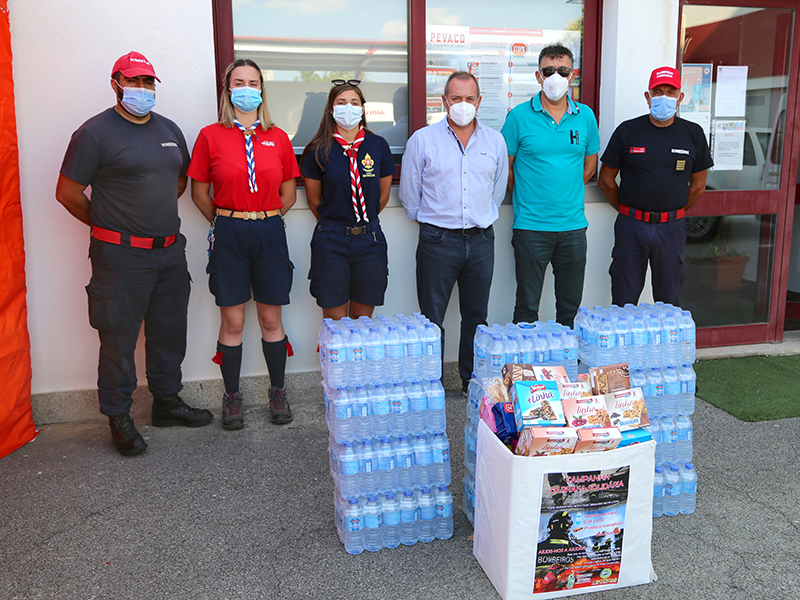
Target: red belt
{"x":115,"y":237}
{"x":650,"y":217}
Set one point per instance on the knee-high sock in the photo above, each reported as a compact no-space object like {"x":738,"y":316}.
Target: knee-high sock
{"x":275,"y":355}
{"x":230,"y":366}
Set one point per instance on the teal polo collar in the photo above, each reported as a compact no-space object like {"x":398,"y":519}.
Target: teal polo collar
{"x":536,"y":104}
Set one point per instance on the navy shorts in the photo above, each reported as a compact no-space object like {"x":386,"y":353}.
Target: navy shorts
{"x":250,"y":255}
{"x":348,"y":267}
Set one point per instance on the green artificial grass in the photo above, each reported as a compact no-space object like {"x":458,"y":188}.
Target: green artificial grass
{"x":752,"y":388}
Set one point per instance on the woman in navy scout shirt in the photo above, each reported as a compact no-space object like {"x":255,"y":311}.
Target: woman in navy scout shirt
{"x":347,"y":171}
{"x":250,"y":165}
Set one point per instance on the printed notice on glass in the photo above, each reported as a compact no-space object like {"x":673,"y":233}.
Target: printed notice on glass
{"x":696,"y":87}
{"x":730,"y":100}
{"x":581,"y":525}
{"x":728,"y":147}
{"x":504,"y":61}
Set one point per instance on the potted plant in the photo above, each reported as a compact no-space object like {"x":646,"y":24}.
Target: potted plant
{"x":730,"y":264}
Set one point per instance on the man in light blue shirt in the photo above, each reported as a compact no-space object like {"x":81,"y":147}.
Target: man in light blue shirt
{"x":552,"y":145}
{"x":452,"y":182}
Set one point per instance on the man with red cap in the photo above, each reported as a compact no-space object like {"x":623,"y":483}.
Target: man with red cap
{"x":136,"y":161}
{"x":663,"y":162}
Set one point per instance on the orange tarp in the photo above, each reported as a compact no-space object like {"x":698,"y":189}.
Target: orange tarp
{"x":16,"y":419}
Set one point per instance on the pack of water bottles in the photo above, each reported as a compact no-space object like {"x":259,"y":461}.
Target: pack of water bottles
{"x":474,"y":396}
{"x":388,"y":447}
{"x":538,"y":344}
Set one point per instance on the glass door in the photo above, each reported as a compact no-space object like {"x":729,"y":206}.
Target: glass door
{"x":739,"y":79}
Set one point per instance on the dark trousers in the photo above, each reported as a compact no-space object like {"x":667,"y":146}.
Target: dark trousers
{"x":636,"y":243}
{"x":533,"y":251}
{"x":128,"y":286}
{"x":444,"y":258}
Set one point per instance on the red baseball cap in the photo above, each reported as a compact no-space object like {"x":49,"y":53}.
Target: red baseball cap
{"x":134,"y":64}
{"x":665,"y":76}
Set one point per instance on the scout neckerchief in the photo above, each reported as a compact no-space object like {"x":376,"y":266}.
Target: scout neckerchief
{"x":249,"y":133}
{"x":351,"y":151}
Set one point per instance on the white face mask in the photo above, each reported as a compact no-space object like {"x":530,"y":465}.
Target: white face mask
{"x":462,"y":113}
{"x":555,"y":87}
{"x":347,"y":116}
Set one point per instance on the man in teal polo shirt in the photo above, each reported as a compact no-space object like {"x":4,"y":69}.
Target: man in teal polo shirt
{"x":552,"y":145}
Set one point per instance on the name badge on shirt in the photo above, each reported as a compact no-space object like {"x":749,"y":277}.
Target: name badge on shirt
{"x":680,"y":165}
{"x":635,"y":150}
{"x":368,"y":165}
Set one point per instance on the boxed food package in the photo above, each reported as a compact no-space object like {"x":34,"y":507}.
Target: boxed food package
{"x":513,"y":372}
{"x":585,"y":412}
{"x":505,"y":422}
{"x":583,"y":377}
{"x":578,"y":389}
{"x":597,"y":440}
{"x":537,"y":403}
{"x":627,"y":409}
{"x":546,"y":441}
{"x":610,"y":378}
{"x":551,"y":374}
{"x":634,"y":436}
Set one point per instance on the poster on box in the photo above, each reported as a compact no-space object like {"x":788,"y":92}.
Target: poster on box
{"x":581,"y":528}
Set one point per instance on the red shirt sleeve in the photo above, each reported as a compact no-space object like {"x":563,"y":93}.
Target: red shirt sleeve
{"x":199,"y":166}
{"x":290,"y":168}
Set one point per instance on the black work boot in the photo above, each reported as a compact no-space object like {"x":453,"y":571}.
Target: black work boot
{"x":128,"y":441}
{"x":279,"y":405}
{"x":232,"y":415}
{"x":171,"y":411}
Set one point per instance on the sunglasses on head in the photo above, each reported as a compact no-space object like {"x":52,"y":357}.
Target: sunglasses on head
{"x":347,"y":81}
{"x":549,"y":71}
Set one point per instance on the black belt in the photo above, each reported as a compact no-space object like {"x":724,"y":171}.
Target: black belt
{"x":650,"y":217}
{"x":348,"y":229}
{"x":466,"y":232}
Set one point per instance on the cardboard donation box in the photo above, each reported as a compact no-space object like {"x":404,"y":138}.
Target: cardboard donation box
{"x":554,"y":526}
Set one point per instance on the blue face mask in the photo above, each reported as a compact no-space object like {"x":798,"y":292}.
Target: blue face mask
{"x":138,"y":101}
{"x":663,"y":108}
{"x":246,"y":99}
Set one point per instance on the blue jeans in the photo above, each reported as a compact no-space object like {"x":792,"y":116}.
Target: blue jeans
{"x":446,"y":257}
{"x":533,"y":251}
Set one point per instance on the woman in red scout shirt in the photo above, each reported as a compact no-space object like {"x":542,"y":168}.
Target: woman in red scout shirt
{"x":347,"y":171}
{"x":250,"y":165}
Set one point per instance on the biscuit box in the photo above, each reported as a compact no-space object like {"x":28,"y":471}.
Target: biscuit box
{"x":597,"y":440}
{"x":546,"y":441}
{"x":585,"y":412}
{"x":610,"y":378}
{"x":627,"y":409}
{"x":513,"y":372}
{"x":537,"y":403}
{"x":634,"y":436}
{"x":551,"y":374}
{"x":578,"y":389}
{"x":504,"y":420}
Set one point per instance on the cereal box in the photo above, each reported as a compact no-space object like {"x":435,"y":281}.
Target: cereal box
{"x":611,"y":378}
{"x":585,"y":412}
{"x":537,"y":403}
{"x":627,"y":409}
{"x":579,"y":389}
{"x":546,"y":441}
{"x":513,"y":372}
{"x":597,"y":440}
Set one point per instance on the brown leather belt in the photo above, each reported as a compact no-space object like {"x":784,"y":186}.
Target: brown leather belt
{"x":256,"y":215}
{"x":115,"y":237}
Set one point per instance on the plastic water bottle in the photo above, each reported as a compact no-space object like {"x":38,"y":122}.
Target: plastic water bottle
{"x":571,"y":355}
{"x":511,"y":351}
{"x":444,"y":513}
{"x":496,"y":356}
{"x":480,"y":350}
{"x":337,"y":359}
{"x":659,"y":490}
{"x":391,"y":521}
{"x":376,"y":356}
{"x":688,"y":337}
{"x":349,"y":484}
{"x":362,"y":413}
{"x":431,"y":351}
{"x":437,"y":419}
{"x":353,"y":527}
{"x":356,"y":358}
{"x":622,"y":350}
{"x":344,"y":426}
{"x":685,"y":432}
{"x":417,"y":408}
{"x":405,"y":462}
{"x":672,"y":477}
{"x":398,"y":400}
{"x":671,"y":339}
{"x":655,"y":396}
{"x":470,"y":446}
{"x":669,"y":435}
{"x":381,"y":410}
{"x":605,"y":343}
{"x":440,"y":465}
{"x":654,"y":429}
{"x":526,"y":348}
{"x":639,"y":379}
{"x":373,"y":519}
{"x":387,"y":466}
{"x":468,"y":499}
{"x":368,"y":467}
{"x":556,"y":349}
{"x":423,"y":460}
{"x":688,"y":498}
{"x":409,"y":519}
{"x":688,"y":389}
{"x":474,"y":397}
{"x":638,"y":349}
{"x":394,"y":352}
{"x":672,"y":391}
{"x":654,"y":334}
{"x":541,"y":349}
{"x":412,"y":368}
{"x":427,"y":516}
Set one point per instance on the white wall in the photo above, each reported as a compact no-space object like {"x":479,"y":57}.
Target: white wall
{"x":63,"y":53}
